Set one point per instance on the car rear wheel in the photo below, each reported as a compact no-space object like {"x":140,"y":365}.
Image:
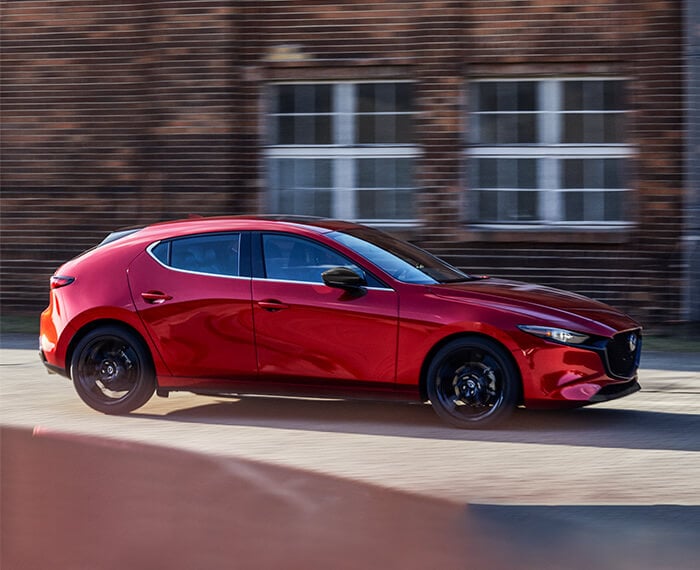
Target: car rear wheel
{"x":112,"y":371}
{"x":472,"y":383}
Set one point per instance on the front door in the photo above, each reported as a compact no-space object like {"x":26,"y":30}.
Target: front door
{"x":307,"y":330}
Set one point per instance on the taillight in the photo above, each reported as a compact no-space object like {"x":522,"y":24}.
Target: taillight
{"x":58,"y":281}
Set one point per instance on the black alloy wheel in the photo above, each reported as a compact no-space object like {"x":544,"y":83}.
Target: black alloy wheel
{"x":472,"y":383}
{"x":112,"y":371}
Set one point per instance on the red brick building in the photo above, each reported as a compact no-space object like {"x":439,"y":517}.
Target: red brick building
{"x":539,"y":140}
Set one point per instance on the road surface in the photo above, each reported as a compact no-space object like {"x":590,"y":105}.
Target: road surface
{"x":623,"y":477}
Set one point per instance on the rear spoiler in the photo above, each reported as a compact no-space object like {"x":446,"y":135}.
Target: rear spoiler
{"x":119,"y":234}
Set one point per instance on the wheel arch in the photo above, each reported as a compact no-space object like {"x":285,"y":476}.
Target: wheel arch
{"x":465,"y":335}
{"x":93,"y":325}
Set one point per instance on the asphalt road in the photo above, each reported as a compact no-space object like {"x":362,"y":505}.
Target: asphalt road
{"x":616,"y":485}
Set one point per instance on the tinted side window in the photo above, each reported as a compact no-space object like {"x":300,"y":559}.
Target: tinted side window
{"x":290,"y":258}
{"x":214,"y":254}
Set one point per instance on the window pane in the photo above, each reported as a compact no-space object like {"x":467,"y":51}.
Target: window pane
{"x":614,"y":96}
{"x":573,"y":128}
{"x":367,"y":207}
{"x":527,"y":173}
{"x":508,"y":131}
{"x":573,"y":206}
{"x":304,"y":174}
{"x":593,"y":128}
{"x":487,"y":97}
{"x":572,"y":173}
{"x":304,"y":130}
{"x":365,"y":173}
{"x":403,"y":125}
{"x":614,"y":128}
{"x":304,"y":99}
{"x":214,"y":255}
{"x":507,"y":173}
{"x":404,"y":204}
{"x":161,"y":252}
{"x":527,"y":96}
{"x":323,"y":99}
{"x":384,"y":98}
{"x":593,"y":175}
{"x":285,"y":98}
{"x":322,"y":205}
{"x":593,"y":206}
{"x":527,"y":128}
{"x":385,"y":169}
{"x":365,"y":98}
{"x":323,"y":178}
{"x":301,"y":186}
{"x":613,"y":206}
{"x":404,"y":173}
{"x":593,"y":95}
{"x":322,"y":130}
{"x":488,"y":173}
{"x":508,"y":96}
{"x":527,"y":205}
{"x":486,"y":132}
{"x":286,"y":131}
{"x":365,"y":129}
{"x":385,"y":129}
{"x":613,"y":173}
{"x":488,"y":206}
{"x":404,"y":97}
{"x":290,"y":258}
{"x":573,"y":95}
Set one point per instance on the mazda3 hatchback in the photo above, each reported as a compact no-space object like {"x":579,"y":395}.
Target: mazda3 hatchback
{"x":322,"y":308}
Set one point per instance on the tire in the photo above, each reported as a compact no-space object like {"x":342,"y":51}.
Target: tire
{"x":112,"y":370}
{"x":472,"y":383}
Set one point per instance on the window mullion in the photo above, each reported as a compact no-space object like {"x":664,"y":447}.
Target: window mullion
{"x":343,"y":184}
{"x":344,"y":114}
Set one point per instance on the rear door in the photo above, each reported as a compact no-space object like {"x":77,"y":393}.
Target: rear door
{"x":193,"y":295}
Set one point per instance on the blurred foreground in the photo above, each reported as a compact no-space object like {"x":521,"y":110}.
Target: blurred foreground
{"x":72,"y":501}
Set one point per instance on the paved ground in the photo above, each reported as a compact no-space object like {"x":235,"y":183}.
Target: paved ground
{"x":615,"y":485}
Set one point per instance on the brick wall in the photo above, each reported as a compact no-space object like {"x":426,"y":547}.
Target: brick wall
{"x":116,"y":113}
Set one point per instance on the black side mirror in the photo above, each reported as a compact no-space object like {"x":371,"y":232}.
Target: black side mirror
{"x":343,"y":278}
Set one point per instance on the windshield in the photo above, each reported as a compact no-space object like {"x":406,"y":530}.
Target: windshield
{"x":402,"y":260}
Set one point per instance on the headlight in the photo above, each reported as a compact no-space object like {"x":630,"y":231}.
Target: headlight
{"x":555,"y":334}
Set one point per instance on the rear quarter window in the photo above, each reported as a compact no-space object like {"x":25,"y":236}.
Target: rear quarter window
{"x":210,"y":254}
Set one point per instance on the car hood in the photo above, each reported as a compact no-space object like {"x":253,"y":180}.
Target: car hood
{"x":539,"y":302}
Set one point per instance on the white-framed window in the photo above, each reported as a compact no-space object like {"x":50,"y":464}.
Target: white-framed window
{"x":548,"y":152}
{"x":342,"y":150}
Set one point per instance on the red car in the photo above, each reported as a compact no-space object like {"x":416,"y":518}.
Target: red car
{"x":314,"y":307}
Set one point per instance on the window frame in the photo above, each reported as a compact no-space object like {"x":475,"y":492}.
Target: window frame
{"x":549,"y":153}
{"x":343,"y":152}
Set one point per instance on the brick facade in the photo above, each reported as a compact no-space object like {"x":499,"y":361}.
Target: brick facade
{"x":119,"y":113}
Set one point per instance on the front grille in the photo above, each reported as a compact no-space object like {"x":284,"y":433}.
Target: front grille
{"x":622,"y":353}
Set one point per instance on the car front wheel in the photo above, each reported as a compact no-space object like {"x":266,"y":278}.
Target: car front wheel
{"x":472,"y":383}
{"x":112,"y":371}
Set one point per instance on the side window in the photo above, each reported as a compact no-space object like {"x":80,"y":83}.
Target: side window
{"x":291,"y":258}
{"x":213,"y":254}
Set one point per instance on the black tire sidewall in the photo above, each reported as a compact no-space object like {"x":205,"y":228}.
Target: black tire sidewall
{"x":510,"y":383}
{"x":145,"y":384}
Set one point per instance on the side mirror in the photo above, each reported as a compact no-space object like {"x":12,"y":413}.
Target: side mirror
{"x":343,"y":278}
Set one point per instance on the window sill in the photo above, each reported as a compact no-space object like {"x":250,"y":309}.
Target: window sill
{"x":502,"y":233}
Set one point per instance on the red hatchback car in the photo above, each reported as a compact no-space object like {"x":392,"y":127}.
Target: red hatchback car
{"x":314,"y":307}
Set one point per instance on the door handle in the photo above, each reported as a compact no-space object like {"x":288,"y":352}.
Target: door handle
{"x":272,"y":305}
{"x":155,"y":297}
